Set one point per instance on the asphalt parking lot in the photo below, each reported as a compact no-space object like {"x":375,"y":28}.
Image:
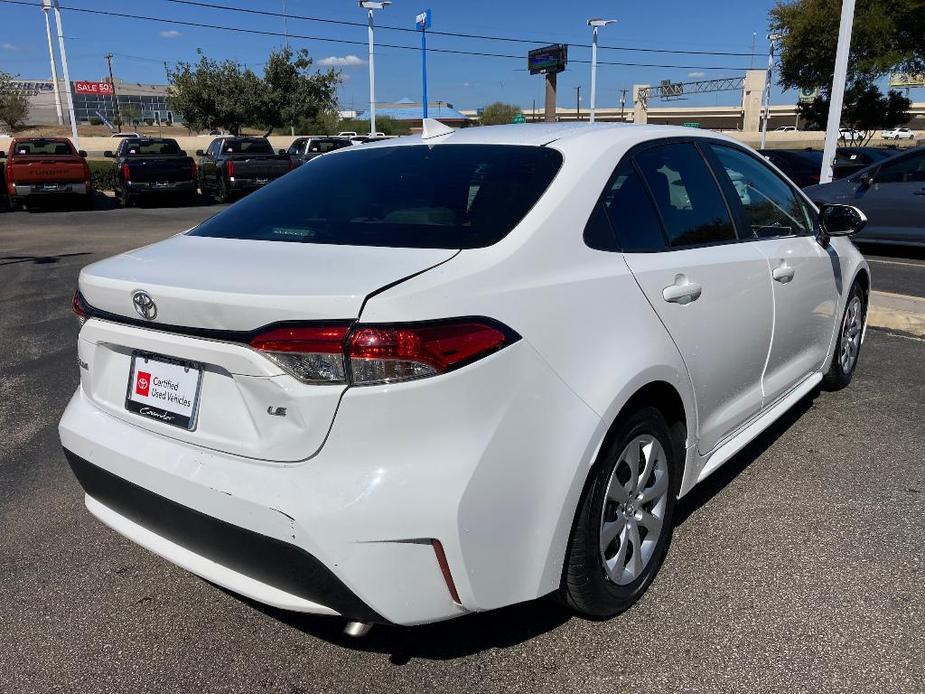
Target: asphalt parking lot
{"x":797,"y":567}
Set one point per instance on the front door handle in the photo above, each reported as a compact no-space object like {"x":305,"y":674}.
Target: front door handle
{"x":783,"y":273}
{"x":683,"y":291}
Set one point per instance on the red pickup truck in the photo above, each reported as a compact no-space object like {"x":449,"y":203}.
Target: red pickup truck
{"x":45,"y":167}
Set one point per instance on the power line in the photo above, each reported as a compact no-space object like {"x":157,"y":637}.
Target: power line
{"x":451,"y":51}
{"x":455,"y":34}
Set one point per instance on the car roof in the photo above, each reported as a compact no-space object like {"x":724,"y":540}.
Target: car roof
{"x":563,"y":134}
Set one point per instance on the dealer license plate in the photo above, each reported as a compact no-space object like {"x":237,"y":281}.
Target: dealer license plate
{"x":164,"y":389}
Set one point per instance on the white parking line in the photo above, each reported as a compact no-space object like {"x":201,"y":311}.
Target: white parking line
{"x":896,"y":262}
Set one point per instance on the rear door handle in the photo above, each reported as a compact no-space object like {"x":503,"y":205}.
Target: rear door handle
{"x":783,"y":273}
{"x":683,"y":291}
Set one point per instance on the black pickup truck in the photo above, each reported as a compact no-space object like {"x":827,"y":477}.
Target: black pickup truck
{"x":232,"y":164}
{"x":305,"y":149}
{"x":148,"y":166}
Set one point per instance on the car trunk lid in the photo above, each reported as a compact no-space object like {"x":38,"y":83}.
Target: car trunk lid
{"x":211,"y":295}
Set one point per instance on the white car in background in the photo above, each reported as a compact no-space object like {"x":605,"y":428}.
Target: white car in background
{"x":897,"y":134}
{"x":447,"y":373}
{"x":850,"y":135}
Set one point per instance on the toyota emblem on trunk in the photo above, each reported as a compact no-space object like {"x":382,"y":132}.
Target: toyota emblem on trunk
{"x":144,"y":305}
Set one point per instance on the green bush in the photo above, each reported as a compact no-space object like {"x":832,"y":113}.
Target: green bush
{"x":103,"y":174}
{"x":94,"y":120}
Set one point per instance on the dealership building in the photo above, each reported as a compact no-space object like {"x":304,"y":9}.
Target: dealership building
{"x":144,"y":102}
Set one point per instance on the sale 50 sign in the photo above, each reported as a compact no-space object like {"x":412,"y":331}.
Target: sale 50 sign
{"x":94,"y":88}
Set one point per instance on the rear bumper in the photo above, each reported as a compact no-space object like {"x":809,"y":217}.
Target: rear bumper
{"x":38,"y":190}
{"x":136,"y":187}
{"x":258,"y":566}
{"x":489,"y":460}
{"x":238,"y":183}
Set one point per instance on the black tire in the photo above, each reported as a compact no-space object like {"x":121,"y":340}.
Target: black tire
{"x":586,"y":587}
{"x":850,"y":325}
{"x":222,"y":193}
{"x":15,"y":205}
{"x":126,"y":200}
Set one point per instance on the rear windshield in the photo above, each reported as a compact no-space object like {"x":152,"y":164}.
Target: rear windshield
{"x":446,"y":196}
{"x":43,"y":147}
{"x":149,"y":147}
{"x":247,"y":147}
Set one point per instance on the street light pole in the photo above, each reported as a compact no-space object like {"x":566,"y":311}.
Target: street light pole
{"x":595,"y":24}
{"x":51,"y":56}
{"x":67,"y":79}
{"x":767,"y":87}
{"x":837,"y":95}
{"x":369,"y":6}
{"x":115,"y":98}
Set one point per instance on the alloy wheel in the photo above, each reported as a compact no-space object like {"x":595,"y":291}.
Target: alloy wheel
{"x":851,"y":335}
{"x":634,"y":509}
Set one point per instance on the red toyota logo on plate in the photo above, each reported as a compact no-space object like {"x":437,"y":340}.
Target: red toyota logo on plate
{"x":143,"y":383}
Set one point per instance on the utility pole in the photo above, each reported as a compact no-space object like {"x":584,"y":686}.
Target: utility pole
{"x":767,"y":87}
{"x":837,"y":95}
{"x":578,"y":103}
{"x":46,"y":6}
{"x":285,"y":25}
{"x":67,"y":79}
{"x":622,"y":103}
{"x":115,"y":98}
{"x":533,"y":119}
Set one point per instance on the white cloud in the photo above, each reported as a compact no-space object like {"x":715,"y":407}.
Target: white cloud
{"x":9,"y":47}
{"x":342,"y":61}
{"x":695,"y":74}
{"x":171,"y":34}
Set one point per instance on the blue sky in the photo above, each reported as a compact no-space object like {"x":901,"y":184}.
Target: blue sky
{"x":141,"y":47}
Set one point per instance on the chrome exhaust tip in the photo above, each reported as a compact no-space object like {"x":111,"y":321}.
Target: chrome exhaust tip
{"x":357,"y":629}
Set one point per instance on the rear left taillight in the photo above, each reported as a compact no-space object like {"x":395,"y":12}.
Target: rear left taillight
{"x":195,"y":170}
{"x":378,"y":354}
{"x":229,"y":169}
{"x":77,"y":307}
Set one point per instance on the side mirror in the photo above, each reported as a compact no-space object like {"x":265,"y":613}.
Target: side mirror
{"x":2,"y":155}
{"x":109,"y":154}
{"x":841,"y":220}
{"x":200,"y":153}
{"x":82,"y":153}
{"x":867,"y":179}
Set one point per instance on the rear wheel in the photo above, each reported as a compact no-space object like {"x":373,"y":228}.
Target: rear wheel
{"x":222,"y":193}
{"x":848,"y":347}
{"x":624,"y":522}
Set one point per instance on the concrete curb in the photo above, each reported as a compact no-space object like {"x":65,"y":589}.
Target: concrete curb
{"x":897,"y":312}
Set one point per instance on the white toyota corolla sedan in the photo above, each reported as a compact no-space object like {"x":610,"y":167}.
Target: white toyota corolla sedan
{"x":447,"y":373}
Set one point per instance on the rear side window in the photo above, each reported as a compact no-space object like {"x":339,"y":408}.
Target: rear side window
{"x":412,"y":196}
{"x":688,"y":199}
{"x":625,"y":217}
{"x":770,"y":206}
{"x":149,"y":147}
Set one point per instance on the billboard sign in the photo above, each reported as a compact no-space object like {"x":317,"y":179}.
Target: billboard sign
{"x":808,"y":94}
{"x":97,"y":88}
{"x":548,"y":59}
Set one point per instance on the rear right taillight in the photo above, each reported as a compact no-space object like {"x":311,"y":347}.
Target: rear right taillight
{"x":379,"y":354}
{"x":312,"y":353}
{"x":126,"y":172}
{"x":77,"y":307}
{"x":229,"y":168}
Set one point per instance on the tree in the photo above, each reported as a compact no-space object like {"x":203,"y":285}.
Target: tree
{"x":291,"y":94}
{"x":866,"y":109}
{"x":216,"y":94}
{"x":887,"y":35}
{"x":498,"y":113}
{"x":384,"y":124}
{"x":129,"y":113}
{"x":14,"y":105}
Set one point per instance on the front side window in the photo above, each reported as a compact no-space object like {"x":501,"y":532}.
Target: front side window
{"x":690,"y":203}
{"x":908,"y":169}
{"x":296,"y":147}
{"x":770,"y":206}
{"x":410,"y":196}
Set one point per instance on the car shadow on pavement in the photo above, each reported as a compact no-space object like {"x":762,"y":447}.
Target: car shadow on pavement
{"x":38,"y":259}
{"x":455,"y":638}
{"x":701,"y":494}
